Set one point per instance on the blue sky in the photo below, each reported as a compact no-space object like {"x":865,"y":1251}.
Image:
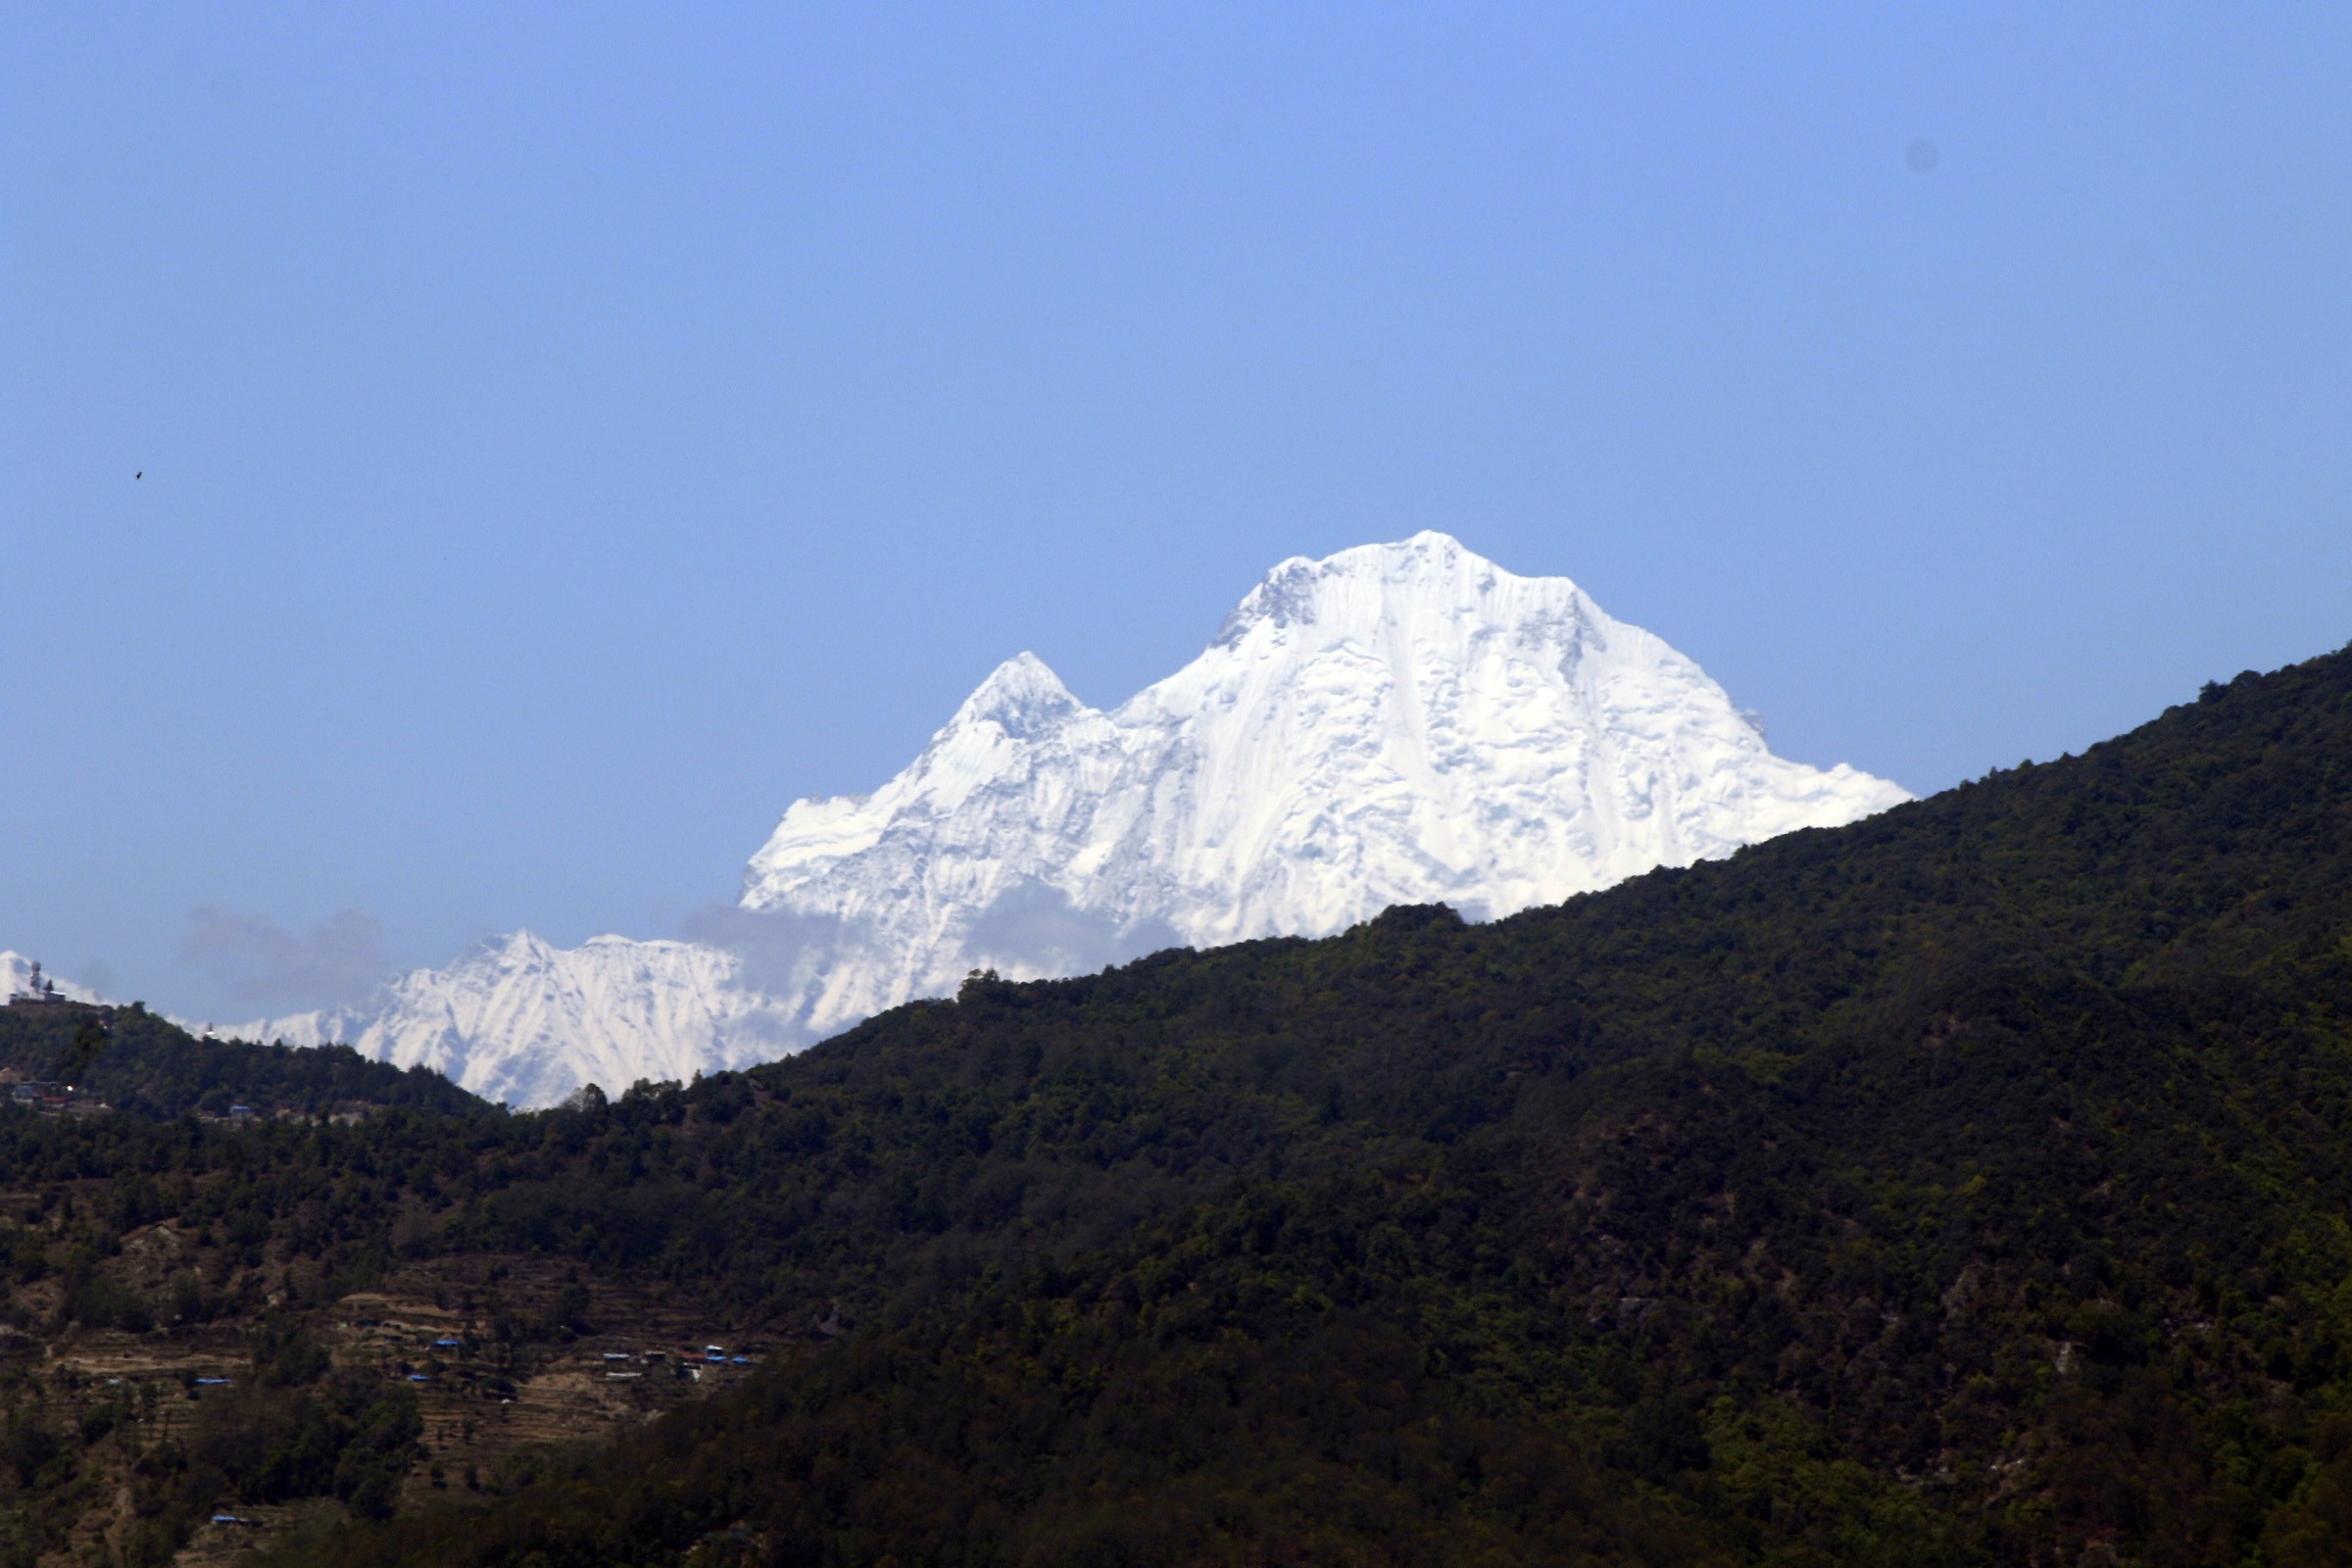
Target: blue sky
{"x":570,"y":434}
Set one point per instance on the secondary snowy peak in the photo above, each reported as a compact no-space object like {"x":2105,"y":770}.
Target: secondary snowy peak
{"x":1398,"y":722}
{"x":1022,"y":698}
{"x":522,"y":1021}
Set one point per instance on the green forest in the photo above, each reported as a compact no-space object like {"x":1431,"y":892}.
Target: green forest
{"x":1971,"y":1185}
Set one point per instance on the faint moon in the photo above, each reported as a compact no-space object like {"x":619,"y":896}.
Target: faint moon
{"x":1921,"y":156}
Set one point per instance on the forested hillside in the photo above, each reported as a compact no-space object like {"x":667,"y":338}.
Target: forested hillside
{"x":1966,"y":1186}
{"x":129,"y":1060}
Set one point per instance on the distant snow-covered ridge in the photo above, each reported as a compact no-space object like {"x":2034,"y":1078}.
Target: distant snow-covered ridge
{"x":521,"y":1021}
{"x":1396,"y":724}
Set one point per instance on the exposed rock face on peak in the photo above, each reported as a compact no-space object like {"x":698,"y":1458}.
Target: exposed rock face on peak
{"x":1400,"y":723}
{"x":1020,"y":697}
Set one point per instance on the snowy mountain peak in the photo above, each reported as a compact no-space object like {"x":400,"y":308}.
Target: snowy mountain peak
{"x":1021,"y":697}
{"x":1397,"y":723}
{"x":1431,"y":573}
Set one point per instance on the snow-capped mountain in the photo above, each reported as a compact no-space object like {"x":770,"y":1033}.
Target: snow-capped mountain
{"x":1396,"y":724}
{"x":519,"y":1020}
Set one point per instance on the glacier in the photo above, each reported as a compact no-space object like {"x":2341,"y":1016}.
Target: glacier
{"x":1397,"y":723}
